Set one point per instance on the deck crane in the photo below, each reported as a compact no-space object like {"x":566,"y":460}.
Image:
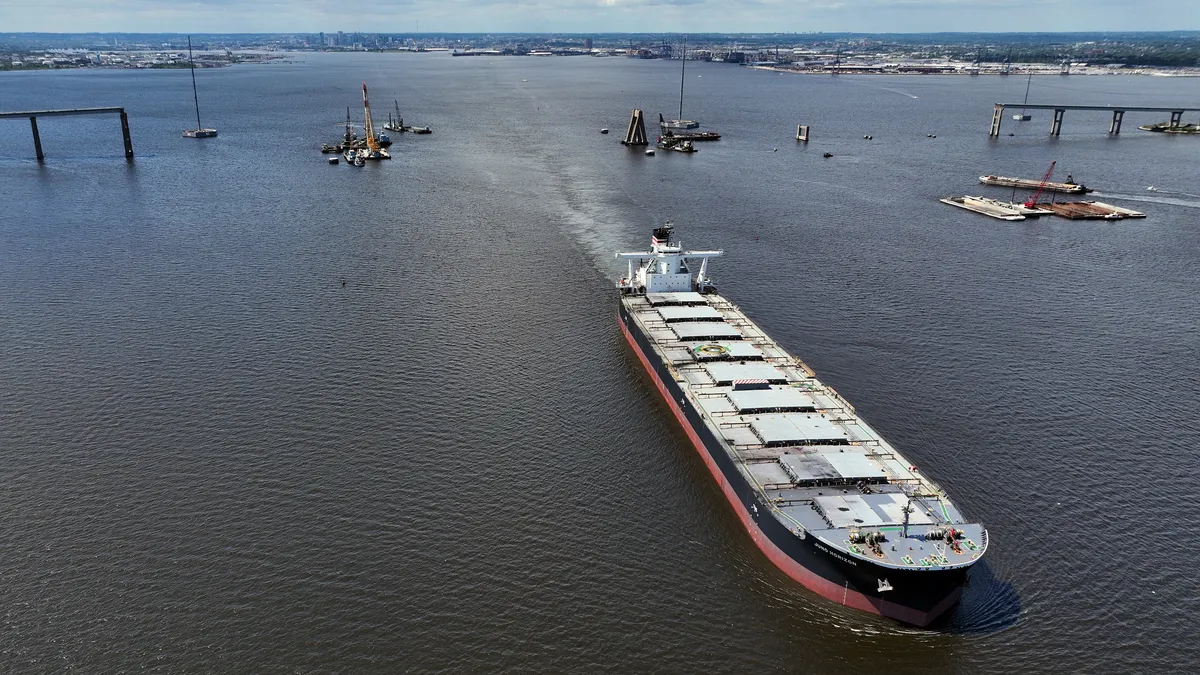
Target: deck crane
{"x":372,"y":141}
{"x":1032,"y":201}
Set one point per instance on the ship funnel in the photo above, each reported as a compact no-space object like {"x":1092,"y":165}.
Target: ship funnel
{"x":662,"y":235}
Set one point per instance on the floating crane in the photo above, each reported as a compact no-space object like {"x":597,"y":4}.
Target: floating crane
{"x":1032,"y":201}
{"x":372,"y":142}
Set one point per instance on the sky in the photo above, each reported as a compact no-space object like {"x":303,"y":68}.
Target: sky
{"x":583,"y":16}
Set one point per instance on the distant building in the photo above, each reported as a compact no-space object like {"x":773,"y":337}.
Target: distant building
{"x":587,"y":43}
{"x":322,"y":42}
{"x":341,"y":39}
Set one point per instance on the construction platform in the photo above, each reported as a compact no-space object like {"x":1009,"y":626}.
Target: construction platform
{"x":1090,"y":210}
{"x":978,"y":206}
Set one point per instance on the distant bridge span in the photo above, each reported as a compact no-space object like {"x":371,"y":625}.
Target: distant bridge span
{"x":37,"y":138}
{"x":1118,"y":112}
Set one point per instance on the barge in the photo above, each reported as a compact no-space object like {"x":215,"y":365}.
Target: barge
{"x":1029,"y":184}
{"x":821,"y":493}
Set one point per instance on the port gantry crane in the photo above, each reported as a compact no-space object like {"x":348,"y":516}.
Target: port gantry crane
{"x":1032,"y":201}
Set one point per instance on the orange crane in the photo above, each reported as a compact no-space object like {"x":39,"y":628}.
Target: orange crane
{"x":372,"y":142}
{"x":1029,"y":203}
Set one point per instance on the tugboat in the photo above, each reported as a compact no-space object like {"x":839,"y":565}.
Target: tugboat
{"x":676,"y":144}
{"x":830,"y":502}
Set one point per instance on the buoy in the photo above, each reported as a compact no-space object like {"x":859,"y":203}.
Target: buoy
{"x":775,"y":150}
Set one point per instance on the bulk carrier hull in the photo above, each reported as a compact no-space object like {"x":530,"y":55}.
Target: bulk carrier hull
{"x":915,"y":597}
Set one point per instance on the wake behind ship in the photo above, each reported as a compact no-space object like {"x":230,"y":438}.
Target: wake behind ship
{"x":821,"y":493}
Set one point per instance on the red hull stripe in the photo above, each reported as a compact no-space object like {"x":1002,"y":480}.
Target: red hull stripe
{"x":810,"y":580}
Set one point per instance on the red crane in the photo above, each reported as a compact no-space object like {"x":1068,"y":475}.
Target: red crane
{"x":1032,"y":201}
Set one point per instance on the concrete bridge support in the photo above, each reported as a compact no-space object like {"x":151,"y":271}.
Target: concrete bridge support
{"x":1115,"y":127}
{"x":37,"y":140}
{"x":125,"y":135}
{"x":33,"y":115}
{"x":1176,"y":118}
{"x":997,"y":116}
{"x":1056,"y":123}
{"x":802,"y":133}
{"x":635,"y":133}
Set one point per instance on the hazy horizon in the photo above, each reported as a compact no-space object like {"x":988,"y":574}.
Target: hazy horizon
{"x":595,"y":16}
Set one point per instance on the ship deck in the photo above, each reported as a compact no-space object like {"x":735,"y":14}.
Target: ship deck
{"x":821,"y":469}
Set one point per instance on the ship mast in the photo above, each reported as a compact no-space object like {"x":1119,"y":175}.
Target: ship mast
{"x":682,"y":70}
{"x":195,"y":96}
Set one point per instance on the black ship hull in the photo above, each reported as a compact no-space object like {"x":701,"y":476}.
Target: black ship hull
{"x":915,"y":597}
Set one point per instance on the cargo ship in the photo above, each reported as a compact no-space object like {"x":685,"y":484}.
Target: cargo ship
{"x":821,"y":493}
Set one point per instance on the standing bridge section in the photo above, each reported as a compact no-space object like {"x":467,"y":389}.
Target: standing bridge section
{"x":1118,"y":113}
{"x":33,"y":116}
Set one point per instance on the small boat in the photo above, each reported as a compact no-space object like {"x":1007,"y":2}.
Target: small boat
{"x":359,"y":160}
{"x":418,"y":130}
{"x":199,"y":131}
{"x":333,"y":160}
{"x":650,"y":152}
{"x":827,"y":155}
{"x":383,"y":140}
{"x":604,"y":131}
{"x":327,"y":149}
{"x":374,"y":154}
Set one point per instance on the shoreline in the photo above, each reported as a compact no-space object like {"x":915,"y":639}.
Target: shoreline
{"x":1086,"y":72}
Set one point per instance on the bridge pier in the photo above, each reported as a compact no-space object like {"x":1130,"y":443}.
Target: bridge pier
{"x":33,"y":115}
{"x":997,"y":116}
{"x":125,"y":135}
{"x":37,"y":140}
{"x":1117,"y":112}
{"x":1056,"y":123}
{"x":635,"y":133}
{"x":802,"y":133}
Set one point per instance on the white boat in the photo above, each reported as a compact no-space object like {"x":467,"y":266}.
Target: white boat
{"x":199,"y":131}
